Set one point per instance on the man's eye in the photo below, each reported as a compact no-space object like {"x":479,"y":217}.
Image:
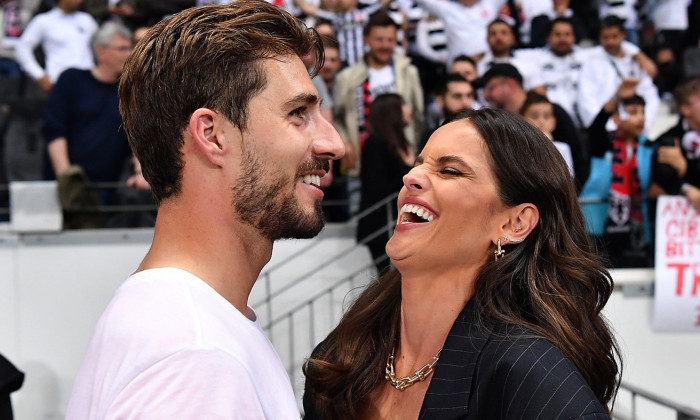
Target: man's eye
{"x":298,"y":113}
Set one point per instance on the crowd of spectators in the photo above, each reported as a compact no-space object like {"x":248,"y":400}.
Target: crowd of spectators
{"x":580,"y":71}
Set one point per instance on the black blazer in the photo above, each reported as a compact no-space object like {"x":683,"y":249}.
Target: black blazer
{"x":492,"y":371}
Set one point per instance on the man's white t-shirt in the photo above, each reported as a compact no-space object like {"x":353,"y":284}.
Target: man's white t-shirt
{"x":168,"y":346}
{"x":381,"y":81}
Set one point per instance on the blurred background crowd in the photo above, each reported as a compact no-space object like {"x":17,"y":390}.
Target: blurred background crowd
{"x":592,"y":75}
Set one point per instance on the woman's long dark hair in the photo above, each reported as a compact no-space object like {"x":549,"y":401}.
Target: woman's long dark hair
{"x":386,"y":121}
{"x":553,"y":283}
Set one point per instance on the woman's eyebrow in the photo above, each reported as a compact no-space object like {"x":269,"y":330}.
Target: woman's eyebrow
{"x":442,"y":160}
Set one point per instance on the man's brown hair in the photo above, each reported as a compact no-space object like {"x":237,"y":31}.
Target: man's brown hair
{"x":204,"y":57}
{"x":687,"y":88}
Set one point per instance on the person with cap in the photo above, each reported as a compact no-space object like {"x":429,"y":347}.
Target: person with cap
{"x":502,"y":87}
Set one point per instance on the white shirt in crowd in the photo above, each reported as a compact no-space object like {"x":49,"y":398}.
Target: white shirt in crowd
{"x":561,"y":75}
{"x":670,"y":14}
{"x":465,"y":26}
{"x":65,"y":39}
{"x":168,"y":346}
{"x":602,"y":74}
{"x":532,"y":74}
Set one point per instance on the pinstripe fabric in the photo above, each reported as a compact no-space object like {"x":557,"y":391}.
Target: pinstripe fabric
{"x":490,"y":371}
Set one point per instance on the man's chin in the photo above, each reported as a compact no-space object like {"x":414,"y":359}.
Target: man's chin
{"x":304,"y":226}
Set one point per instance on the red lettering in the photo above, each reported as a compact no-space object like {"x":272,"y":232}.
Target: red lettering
{"x":674,"y":249}
{"x":696,"y":279}
{"x":667,"y":208}
{"x":672,"y":229}
{"x":692,"y":228}
{"x":679,"y":276}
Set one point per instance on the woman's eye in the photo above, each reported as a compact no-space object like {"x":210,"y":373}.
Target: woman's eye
{"x":450,"y":171}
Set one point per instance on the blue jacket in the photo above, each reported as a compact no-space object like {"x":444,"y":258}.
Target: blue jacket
{"x":598,"y":187}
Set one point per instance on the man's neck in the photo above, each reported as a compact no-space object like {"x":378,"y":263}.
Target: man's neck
{"x":224,"y":254}
{"x":629,"y":138}
{"x":104,"y":76}
{"x":561,"y":54}
{"x":502,"y":53}
{"x":691,"y":125}
{"x":376,"y":65}
{"x":616,"y":53}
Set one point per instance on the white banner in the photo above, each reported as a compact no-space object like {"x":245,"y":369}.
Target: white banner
{"x":677,"y":271}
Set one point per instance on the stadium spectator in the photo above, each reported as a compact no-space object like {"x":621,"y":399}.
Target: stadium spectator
{"x":386,"y":158}
{"x":540,"y":112}
{"x":82,"y":122}
{"x":541,"y":24}
{"x":465,"y":23}
{"x":503,"y":88}
{"x":348,"y":22}
{"x":501,"y":40}
{"x":64,"y":34}
{"x":464,"y":66}
{"x":14,"y":17}
{"x":455,"y":94}
{"x":626,"y":11}
{"x":605,"y":68}
{"x":620,"y":178}
{"x":380,"y":71}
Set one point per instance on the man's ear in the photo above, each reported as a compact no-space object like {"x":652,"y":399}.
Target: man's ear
{"x":684,"y":109}
{"x":523,"y":219}
{"x":440,"y":101}
{"x":206,"y":130}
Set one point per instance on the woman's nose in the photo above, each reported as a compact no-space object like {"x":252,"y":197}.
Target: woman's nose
{"x":413,"y":180}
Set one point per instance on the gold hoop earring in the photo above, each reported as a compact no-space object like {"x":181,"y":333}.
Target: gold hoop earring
{"x":499,"y":252}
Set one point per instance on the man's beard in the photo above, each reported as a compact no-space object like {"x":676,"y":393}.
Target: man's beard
{"x":267,"y":206}
{"x":449,"y":115}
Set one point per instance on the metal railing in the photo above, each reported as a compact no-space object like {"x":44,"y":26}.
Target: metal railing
{"x":266,"y":275}
{"x":681,"y":412}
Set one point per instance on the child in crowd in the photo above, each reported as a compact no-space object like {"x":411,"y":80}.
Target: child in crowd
{"x":620,"y":177}
{"x":539,"y":111}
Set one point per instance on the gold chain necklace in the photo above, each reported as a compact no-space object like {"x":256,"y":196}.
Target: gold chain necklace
{"x":403,"y":383}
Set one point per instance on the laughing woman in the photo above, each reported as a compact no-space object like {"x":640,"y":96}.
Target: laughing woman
{"x":494,"y":309}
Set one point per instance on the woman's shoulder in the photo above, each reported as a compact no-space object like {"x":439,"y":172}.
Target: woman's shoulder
{"x":533,"y":378}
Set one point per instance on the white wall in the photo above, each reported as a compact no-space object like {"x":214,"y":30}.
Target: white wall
{"x":54,"y":287}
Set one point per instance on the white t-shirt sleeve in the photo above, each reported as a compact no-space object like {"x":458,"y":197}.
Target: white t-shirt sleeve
{"x":24,"y":50}
{"x":190,"y":384}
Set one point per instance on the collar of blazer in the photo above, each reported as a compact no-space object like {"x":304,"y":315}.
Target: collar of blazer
{"x":452,"y":382}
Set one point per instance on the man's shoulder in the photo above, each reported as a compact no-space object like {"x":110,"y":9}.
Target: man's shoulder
{"x":676,"y":131}
{"x":403,"y":62}
{"x":353,"y":75}
{"x":84,"y":16}
{"x":73,"y":75}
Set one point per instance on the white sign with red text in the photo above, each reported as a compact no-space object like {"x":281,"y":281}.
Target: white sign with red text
{"x":677,"y":271}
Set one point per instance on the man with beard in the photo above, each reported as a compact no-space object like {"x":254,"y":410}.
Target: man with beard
{"x":454,"y":95}
{"x":501,"y":40}
{"x":223,"y":116}
{"x":380,"y":71}
{"x":502,"y":87}
{"x":559,"y":66}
